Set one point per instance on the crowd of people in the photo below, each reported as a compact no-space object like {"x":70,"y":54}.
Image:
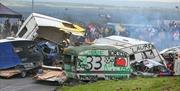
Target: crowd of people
{"x":167,"y":34}
{"x":9,"y":28}
{"x":162,"y":35}
{"x":95,"y":31}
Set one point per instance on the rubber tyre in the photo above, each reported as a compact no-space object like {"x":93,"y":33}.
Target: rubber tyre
{"x":23,"y":74}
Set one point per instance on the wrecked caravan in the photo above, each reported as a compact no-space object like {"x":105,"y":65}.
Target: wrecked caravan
{"x":96,"y":62}
{"x":137,"y":50}
{"x":18,"y":56}
{"x":172,"y":57}
{"x":48,"y":28}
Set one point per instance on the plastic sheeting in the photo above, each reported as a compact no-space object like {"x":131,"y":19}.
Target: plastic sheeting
{"x":8,"y":58}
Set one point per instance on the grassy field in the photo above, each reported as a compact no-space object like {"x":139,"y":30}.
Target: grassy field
{"x":135,"y":84}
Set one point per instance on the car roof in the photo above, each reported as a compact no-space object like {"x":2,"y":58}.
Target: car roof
{"x":119,"y":41}
{"x":78,"y":50}
{"x":169,"y":49}
{"x":12,"y":39}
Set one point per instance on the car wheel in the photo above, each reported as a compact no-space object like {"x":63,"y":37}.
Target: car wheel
{"x":23,"y":74}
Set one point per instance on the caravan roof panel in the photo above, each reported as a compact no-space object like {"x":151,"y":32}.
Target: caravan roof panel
{"x":43,"y":20}
{"x":121,"y":42}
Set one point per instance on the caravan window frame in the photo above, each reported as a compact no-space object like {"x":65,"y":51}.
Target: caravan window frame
{"x":147,"y":56}
{"x":142,"y":57}
{"x":22,"y":32}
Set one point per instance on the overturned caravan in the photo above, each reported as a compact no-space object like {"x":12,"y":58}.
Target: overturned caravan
{"x":18,"y":56}
{"x":96,"y":62}
{"x":38,"y":26}
{"x":138,"y":51}
{"x":48,"y":30}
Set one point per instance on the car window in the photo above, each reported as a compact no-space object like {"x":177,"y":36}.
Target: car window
{"x":132,"y":57}
{"x":148,"y":54}
{"x":67,"y":59}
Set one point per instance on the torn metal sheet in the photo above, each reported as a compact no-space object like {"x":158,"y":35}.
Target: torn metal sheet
{"x":171,"y":50}
{"x":172,"y":57}
{"x":50,"y":73}
{"x":9,"y":73}
{"x":150,"y":63}
{"x":149,"y":67}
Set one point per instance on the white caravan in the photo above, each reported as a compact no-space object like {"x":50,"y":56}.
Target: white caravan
{"x":49,"y":28}
{"x":137,"y":50}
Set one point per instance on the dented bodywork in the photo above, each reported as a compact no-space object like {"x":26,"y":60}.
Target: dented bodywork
{"x":138,"y":51}
{"x":172,"y":57}
{"x":148,"y":67}
{"x":95,"y":62}
{"x":18,"y":56}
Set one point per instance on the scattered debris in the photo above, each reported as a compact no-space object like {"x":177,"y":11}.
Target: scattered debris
{"x":50,"y":73}
{"x":149,"y":67}
{"x":9,"y":73}
{"x":112,"y":57}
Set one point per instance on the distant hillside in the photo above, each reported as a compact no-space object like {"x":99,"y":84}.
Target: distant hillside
{"x":93,"y":3}
{"x":80,"y":12}
{"x":17,"y":3}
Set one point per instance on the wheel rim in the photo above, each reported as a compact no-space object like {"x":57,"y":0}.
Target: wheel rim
{"x":23,"y":74}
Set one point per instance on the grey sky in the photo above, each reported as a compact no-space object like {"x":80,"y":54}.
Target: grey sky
{"x":89,"y":1}
{"x":130,"y":3}
{"x":100,"y":1}
{"x":135,"y":3}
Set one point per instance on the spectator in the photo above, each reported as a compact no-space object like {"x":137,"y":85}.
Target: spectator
{"x":19,"y":23}
{"x":7,"y":28}
{"x":14,"y":28}
{"x":1,"y":30}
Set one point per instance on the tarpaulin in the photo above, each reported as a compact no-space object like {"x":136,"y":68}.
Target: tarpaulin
{"x":8,"y":58}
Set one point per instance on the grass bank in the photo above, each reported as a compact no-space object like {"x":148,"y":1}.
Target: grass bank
{"x":135,"y":84}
